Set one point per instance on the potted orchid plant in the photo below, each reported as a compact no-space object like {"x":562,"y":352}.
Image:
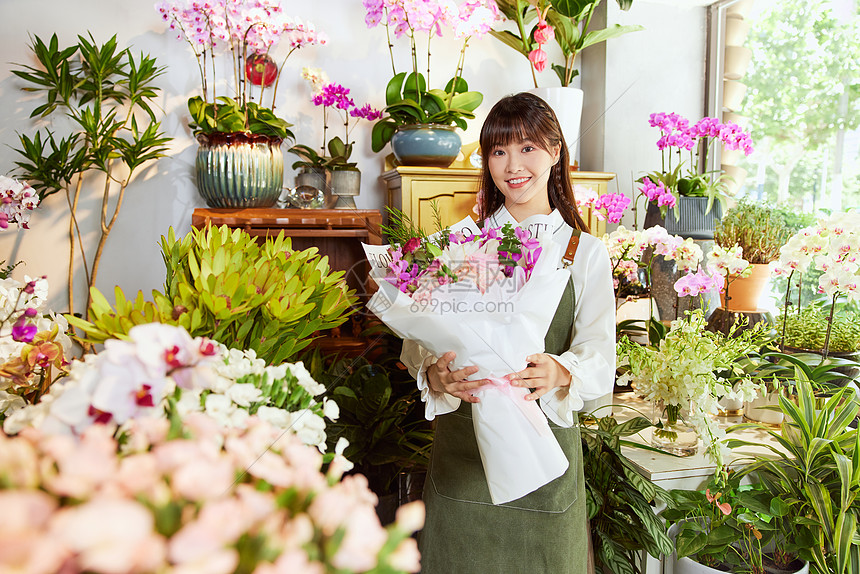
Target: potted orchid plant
{"x":681,"y":184}
{"x":249,"y":31}
{"x":345,"y":176}
{"x":412,"y":108}
{"x":832,"y":246}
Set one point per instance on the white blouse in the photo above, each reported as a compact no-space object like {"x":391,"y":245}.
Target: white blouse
{"x":591,"y":357}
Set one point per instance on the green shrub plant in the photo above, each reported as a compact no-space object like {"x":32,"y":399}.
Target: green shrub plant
{"x":223,"y":285}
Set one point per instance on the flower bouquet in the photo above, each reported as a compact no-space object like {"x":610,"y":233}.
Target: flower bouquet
{"x":489,"y":295}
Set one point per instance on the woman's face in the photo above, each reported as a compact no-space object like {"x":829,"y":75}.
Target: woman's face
{"x":521,"y":171}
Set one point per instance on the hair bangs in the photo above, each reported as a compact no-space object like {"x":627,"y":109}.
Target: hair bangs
{"x":511,"y":125}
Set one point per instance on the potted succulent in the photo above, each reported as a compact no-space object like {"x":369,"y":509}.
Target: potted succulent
{"x":569,"y":25}
{"x":758,"y":232}
{"x":418,"y":121}
{"x":239,"y":161}
{"x":681,"y":196}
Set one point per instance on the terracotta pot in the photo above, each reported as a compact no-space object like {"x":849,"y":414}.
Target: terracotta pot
{"x":744,"y":293}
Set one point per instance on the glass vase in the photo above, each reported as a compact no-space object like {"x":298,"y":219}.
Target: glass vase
{"x":672,"y":434}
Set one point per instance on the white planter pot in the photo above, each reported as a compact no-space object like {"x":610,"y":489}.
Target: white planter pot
{"x":737,"y":61}
{"x":742,"y":121}
{"x":741,"y":8}
{"x":730,"y":407}
{"x":688,"y":566}
{"x":733,"y":94}
{"x":754,"y":411}
{"x":736,"y":30}
{"x":567,"y":104}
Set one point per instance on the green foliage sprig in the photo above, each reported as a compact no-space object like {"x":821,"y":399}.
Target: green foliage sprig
{"x":807,"y":329}
{"x":223,"y":285}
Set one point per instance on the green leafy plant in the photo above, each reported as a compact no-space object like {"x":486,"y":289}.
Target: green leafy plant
{"x":815,"y":469}
{"x":106,"y":95}
{"x":227,"y":115}
{"x":620,"y":501}
{"x":758,"y":229}
{"x":570,"y":21}
{"x":807,"y":329}
{"x":728,"y":525}
{"x":408,"y":101}
{"x":223,"y":285}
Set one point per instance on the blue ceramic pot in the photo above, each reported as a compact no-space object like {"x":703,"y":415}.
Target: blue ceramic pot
{"x":239,"y":170}
{"x":431,"y":145}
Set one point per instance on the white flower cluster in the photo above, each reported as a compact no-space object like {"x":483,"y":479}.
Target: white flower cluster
{"x":730,"y":261}
{"x":685,"y":370}
{"x":139,"y":377}
{"x":832,"y":245}
{"x":230,"y":401}
{"x":17,"y":200}
{"x":627,"y":247}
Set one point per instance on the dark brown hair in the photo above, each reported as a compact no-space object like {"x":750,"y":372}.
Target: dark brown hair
{"x":520,"y":117}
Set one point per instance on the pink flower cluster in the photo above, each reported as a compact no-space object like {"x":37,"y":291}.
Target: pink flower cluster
{"x":471,"y":18}
{"x":543,"y":34}
{"x":189,"y":499}
{"x":259,"y":24}
{"x":677,"y":132}
{"x":702,"y":281}
{"x":657,"y":193}
{"x":607,"y":207}
{"x":126,"y":380}
{"x":490,"y":256}
{"x":17,"y":200}
{"x":335,"y":95}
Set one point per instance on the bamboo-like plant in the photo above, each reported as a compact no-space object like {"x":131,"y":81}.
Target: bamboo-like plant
{"x":107,"y":94}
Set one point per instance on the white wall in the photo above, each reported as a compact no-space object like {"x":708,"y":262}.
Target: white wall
{"x":664,"y":64}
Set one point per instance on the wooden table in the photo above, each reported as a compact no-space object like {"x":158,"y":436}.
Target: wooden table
{"x":337,"y":233}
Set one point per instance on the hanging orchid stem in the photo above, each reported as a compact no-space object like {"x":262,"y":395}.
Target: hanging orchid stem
{"x":278,"y":77}
{"x":785,"y":311}
{"x":325,"y":127}
{"x":523,"y":36}
{"x":459,"y":73}
{"x":830,"y":325}
{"x":390,"y":43}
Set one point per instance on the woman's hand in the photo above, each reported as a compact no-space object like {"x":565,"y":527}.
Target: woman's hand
{"x":543,"y":374}
{"x":443,"y":380}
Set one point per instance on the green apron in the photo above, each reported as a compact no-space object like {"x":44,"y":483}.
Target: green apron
{"x":542,"y":532}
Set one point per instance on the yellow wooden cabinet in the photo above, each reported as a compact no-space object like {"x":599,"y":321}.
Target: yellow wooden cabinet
{"x":413,"y":189}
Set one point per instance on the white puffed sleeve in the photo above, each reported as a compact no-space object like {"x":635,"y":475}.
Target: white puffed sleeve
{"x":417,"y":359}
{"x":591,"y":357}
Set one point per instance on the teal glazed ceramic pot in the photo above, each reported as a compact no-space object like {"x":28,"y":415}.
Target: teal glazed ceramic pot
{"x":430,"y":145}
{"x":239,"y":169}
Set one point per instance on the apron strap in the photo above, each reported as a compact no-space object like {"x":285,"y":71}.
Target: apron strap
{"x":572,"y":246}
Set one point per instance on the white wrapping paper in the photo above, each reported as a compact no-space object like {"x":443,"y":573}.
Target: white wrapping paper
{"x":494,"y":331}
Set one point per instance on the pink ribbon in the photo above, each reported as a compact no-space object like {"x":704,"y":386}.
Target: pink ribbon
{"x":529,"y":408}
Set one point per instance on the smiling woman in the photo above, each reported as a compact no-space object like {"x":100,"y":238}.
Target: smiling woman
{"x":527,"y":185}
